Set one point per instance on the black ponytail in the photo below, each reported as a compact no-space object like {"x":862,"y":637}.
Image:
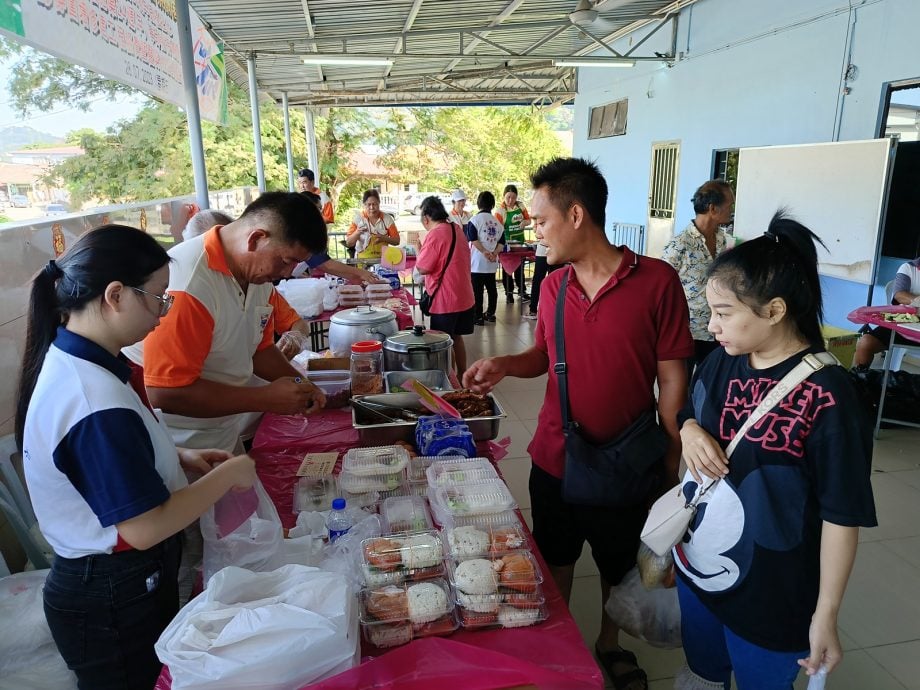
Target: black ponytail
{"x":783,"y":263}
{"x":101,"y":256}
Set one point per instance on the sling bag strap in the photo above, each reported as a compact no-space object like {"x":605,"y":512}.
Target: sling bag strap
{"x":453,"y":242}
{"x":810,"y":364}
{"x":559,"y":368}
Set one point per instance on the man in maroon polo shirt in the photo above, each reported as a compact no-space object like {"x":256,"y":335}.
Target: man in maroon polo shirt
{"x":626,"y":326}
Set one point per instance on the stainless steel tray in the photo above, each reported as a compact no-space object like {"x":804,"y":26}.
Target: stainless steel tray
{"x":373,"y":433}
{"x":435,"y":379}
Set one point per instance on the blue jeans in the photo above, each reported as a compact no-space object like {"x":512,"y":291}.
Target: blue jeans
{"x":106,"y":611}
{"x":714,"y":652}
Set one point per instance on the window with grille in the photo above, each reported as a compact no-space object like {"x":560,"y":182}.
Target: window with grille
{"x":725,"y":166}
{"x":608,"y":120}
{"x":663,"y":180}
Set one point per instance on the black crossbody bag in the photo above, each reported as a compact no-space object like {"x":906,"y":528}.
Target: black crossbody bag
{"x":426,"y":300}
{"x":620,"y":473}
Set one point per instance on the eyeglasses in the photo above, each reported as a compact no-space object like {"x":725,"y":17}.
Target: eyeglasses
{"x":166,"y":301}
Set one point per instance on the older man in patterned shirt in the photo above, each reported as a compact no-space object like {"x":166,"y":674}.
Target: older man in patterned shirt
{"x":691,"y":252}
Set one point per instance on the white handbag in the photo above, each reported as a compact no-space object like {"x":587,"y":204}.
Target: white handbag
{"x":671,"y":514}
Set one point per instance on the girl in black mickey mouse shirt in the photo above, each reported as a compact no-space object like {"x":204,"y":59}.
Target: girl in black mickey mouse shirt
{"x":764,"y":565}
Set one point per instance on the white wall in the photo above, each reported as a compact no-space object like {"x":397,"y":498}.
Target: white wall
{"x":750,"y":73}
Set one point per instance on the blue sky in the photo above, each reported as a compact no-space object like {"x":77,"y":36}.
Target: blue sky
{"x":63,"y":119}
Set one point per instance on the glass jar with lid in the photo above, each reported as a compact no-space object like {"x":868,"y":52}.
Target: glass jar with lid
{"x":367,"y":367}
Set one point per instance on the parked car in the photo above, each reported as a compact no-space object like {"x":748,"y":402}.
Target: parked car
{"x":55,"y":210}
{"x":20,"y":201}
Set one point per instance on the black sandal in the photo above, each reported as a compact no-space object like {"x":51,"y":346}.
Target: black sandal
{"x":625,"y":680}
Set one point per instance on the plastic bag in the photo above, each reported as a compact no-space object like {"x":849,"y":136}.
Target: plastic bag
{"x":654,"y":570}
{"x":305,"y":295}
{"x":344,"y":555}
{"x":255,"y":544}
{"x":650,"y":615}
{"x":278,"y":630}
{"x":28,"y":655}
{"x":292,"y":343}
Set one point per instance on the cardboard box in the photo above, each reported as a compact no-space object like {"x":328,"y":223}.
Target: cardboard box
{"x":840,"y":343}
{"x":329,"y":364}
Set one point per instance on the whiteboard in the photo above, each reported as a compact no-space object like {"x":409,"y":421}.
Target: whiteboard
{"x":837,"y":190}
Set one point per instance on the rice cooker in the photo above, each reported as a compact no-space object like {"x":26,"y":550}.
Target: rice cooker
{"x":418,"y":350}
{"x":361,"y":323}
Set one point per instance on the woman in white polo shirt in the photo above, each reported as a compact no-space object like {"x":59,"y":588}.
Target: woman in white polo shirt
{"x":104,"y":476}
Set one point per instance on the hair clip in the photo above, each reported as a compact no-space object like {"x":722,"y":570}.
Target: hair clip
{"x":771,"y":235}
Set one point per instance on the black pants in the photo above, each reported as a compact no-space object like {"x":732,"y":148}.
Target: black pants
{"x":106,"y":611}
{"x":541,"y":269}
{"x":508,"y":281}
{"x":487,"y":281}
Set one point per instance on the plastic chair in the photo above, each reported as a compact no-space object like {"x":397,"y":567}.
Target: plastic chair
{"x":894,"y":357}
{"x":11,"y":476}
{"x":34,"y":551}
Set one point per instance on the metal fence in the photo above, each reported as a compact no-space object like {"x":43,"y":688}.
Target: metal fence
{"x":630,"y":234}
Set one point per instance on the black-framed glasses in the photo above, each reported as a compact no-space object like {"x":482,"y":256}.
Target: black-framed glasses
{"x":166,"y":301}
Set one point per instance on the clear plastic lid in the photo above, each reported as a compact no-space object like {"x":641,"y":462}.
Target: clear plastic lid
{"x":418,"y":603}
{"x":445,"y":519}
{"x":365,"y":483}
{"x":515,"y":573}
{"x":375,"y":461}
{"x":517,"y":615}
{"x":378,"y":290}
{"x":460,"y":471}
{"x":349,"y":289}
{"x":416,"y":470}
{"x":363,"y":499}
{"x":473,"y":499}
{"x":397,"y":558}
{"x":406,"y":514}
{"x":468,"y":541}
{"x":314,"y":494}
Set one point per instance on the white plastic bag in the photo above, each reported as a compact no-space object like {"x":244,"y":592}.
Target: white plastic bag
{"x":344,"y":555}
{"x":650,"y":615}
{"x":305,"y":295}
{"x":277,"y":631}
{"x":255,"y":544}
{"x":28,"y":656}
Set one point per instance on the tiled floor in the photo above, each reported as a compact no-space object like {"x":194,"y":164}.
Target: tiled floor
{"x":880,"y":618}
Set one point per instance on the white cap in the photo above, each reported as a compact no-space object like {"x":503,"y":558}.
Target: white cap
{"x":458,"y":195}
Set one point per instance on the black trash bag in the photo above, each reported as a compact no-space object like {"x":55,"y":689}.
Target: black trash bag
{"x":902,"y":397}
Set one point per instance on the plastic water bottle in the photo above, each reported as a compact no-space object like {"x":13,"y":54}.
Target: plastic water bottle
{"x":816,"y":682}
{"x":337,"y":522}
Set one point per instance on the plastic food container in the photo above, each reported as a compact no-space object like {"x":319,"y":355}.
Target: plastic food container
{"x":415,"y":470}
{"x":351,"y":291}
{"x":524,"y":611}
{"x":468,"y":541}
{"x":405,"y":514}
{"x":397,"y":614}
{"x":473,"y":499}
{"x":445,"y":519}
{"x":314,"y":494}
{"x":457,"y":471}
{"x":500,"y":576}
{"x":378,"y":291}
{"x":375,"y":461}
{"x":364,"y":499}
{"x":366,"y":483}
{"x":394,"y":559}
{"x":335,"y":384}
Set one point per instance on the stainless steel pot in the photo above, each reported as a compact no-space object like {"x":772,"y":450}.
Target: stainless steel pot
{"x":361,"y":323}
{"x":418,"y":350}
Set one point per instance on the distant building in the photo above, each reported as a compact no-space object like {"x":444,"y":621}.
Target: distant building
{"x":44,"y":157}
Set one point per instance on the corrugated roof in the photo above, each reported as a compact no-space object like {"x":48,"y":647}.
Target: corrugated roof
{"x":443,"y":51}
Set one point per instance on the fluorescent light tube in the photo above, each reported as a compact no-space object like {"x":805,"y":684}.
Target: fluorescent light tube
{"x":347,"y":60}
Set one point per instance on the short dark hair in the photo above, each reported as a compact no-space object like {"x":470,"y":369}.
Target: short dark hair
{"x":783,"y":262}
{"x":68,"y":284}
{"x":370,"y":193}
{"x":712,"y":193}
{"x":299,"y":218}
{"x":485,"y":201}
{"x":306,"y":172}
{"x":433,"y":207}
{"x":510,"y":188}
{"x":315,"y":198}
{"x":574,"y":180}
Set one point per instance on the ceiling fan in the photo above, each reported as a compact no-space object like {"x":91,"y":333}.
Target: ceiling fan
{"x":586,"y":11}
